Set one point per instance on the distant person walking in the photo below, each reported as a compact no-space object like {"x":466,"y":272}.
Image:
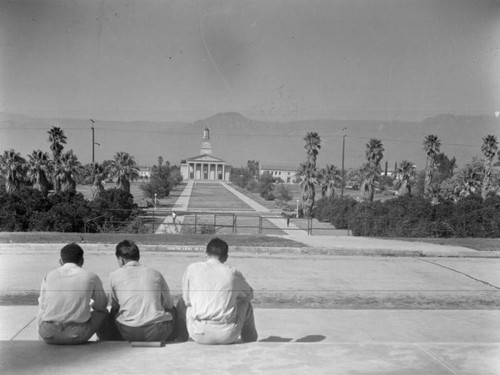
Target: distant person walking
{"x":174,"y":216}
{"x":72,"y":303}
{"x":287,"y":221}
{"x":215,"y":306}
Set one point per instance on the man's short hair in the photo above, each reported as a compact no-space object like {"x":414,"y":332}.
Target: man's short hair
{"x":127,"y":250}
{"x":71,"y":253}
{"x":219,"y":248}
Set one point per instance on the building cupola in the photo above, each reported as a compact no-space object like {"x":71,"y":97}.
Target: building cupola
{"x":206,"y":144}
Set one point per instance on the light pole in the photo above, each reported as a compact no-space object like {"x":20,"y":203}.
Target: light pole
{"x":93,"y":143}
{"x":343,"y":153}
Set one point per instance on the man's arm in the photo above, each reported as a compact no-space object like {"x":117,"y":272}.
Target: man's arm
{"x":41,"y":299}
{"x":243,"y":289}
{"x":185,"y":288}
{"x":99,"y":296}
{"x":168,"y":302}
{"x":113,"y":298}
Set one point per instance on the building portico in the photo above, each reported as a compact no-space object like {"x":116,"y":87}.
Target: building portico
{"x":205,"y":166}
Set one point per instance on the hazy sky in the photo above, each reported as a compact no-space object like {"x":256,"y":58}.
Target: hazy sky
{"x":186,"y":60}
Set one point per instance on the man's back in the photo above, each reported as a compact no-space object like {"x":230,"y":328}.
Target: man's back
{"x":212,"y":290}
{"x":141,"y":294}
{"x":66,"y":293}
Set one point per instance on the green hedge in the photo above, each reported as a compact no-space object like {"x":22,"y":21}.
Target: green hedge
{"x":29,"y":210}
{"x":410,"y":216}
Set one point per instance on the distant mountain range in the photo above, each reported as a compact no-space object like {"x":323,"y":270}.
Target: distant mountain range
{"x":237,"y":139}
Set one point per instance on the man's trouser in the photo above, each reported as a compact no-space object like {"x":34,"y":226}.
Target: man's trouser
{"x":159,"y":331}
{"x":58,"y":333}
{"x":209,"y":332}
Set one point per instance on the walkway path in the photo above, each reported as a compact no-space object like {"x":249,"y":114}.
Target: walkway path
{"x":168,"y":225}
{"x":256,"y":206}
{"x":338,"y":244}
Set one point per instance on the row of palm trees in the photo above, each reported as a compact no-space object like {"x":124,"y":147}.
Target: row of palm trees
{"x":62,"y":170}
{"x":308,"y":175}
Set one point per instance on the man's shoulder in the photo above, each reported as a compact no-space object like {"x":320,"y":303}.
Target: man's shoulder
{"x":89,"y":273}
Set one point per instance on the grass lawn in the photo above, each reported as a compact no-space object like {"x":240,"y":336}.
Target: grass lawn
{"x":145,"y":239}
{"x":480,"y":244}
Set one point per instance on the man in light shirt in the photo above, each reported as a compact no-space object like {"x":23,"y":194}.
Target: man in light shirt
{"x":215,"y":306}
{"x":72,"y":302}
{"x":141,"y":306}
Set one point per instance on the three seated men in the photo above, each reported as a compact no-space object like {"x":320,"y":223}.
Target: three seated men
{"x":215,"y":306}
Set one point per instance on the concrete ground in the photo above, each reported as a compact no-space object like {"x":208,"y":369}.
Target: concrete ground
{"x":291,"y":341}
{"x":337,"y":305}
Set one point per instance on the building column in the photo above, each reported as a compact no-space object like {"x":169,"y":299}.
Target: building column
{"x":223,"y":172}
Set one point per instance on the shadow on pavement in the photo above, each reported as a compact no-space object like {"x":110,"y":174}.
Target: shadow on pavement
{"x":308,"y":338}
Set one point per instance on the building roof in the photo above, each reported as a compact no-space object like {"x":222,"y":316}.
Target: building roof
{"x":277,"y":167}
{"x":205,"y":157}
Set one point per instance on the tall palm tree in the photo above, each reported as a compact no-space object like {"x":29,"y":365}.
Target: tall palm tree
{"x":432,"y":145}
{"x":406,"y":173}
{"x":489,"y":149}
{"x":56,"y":139}
{"x":313,"y":145}
{"x":38,"y":170}
{"x":308,"y":172}
{"x":329,"y":176}
{"x":124,"y":168}
{"x":371,"y":169}
{"x":68,"y":171}
{"x":12,"y":166}
{"x":99,"y":173}
{"x":307,"y":177}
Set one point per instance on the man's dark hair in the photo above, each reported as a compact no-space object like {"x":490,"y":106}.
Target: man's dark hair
{"x":219,"y":248}
{"x":71,"y":253}
{"x":127,"y":250}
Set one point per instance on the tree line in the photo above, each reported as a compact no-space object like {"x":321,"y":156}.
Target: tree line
{"x":39,"y":192}
{"x":438,"y":182}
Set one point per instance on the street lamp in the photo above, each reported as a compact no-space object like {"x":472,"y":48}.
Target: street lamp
{"x":343,"y":153}
{"x":93,"y":142}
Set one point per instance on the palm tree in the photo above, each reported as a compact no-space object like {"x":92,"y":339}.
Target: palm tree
{"x":406,"y":173}
{"x":308,"y":172}
{"x":56,"y":139}
{"x":329,"y":176}
{"x":371,"y":169}
{"x":432,"y":144}
{"x":489,"y":149}
{"x":12,"y":167}
{"x":39,"y":169}
{"x":253,"y":167}
{"x":68,"y":171}
{"x":307,"y":177}
{"x":124,"y":168}
{"x":99,"y":174}
{"x":313,"y":144}
{"x":470,"y":179}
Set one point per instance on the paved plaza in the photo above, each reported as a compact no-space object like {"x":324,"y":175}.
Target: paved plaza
{"x":336,"y":305}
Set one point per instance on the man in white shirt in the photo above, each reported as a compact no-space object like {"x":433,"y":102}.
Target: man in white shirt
{"x":215,"y":306}
{"x":72,"y":302}
{"x":141,"y":305}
